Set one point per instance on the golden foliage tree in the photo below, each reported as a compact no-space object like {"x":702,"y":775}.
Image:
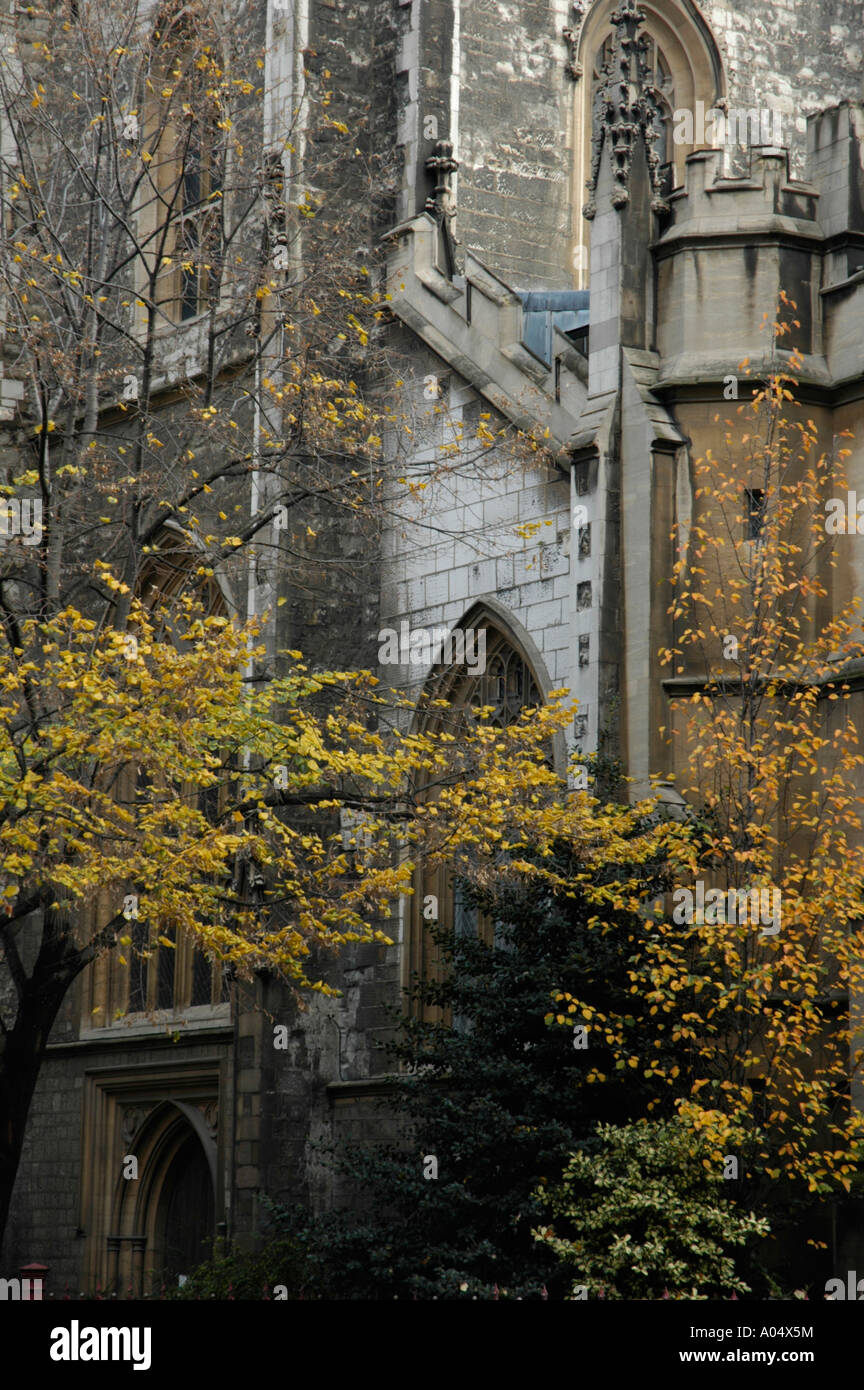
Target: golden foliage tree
{"x":756,"y":966}
{"x":193,"y":372}
{"x":144,"y":776}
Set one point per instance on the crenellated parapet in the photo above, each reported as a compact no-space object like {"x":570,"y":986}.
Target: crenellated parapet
{"x":734,"y":245}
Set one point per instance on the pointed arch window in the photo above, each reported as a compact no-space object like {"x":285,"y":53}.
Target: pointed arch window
{"x":659,"y":74}
{"x":508,"y":685}
{"x":685,"y":68}
{"x":157,"y":973}
{"x":185,"y":147}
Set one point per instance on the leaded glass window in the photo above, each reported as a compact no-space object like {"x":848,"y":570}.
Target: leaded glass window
{"x":507,"y":685}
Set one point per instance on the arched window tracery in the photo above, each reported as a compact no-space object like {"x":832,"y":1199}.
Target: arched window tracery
{"x":659,"y":74}
{"x":507,"y":686}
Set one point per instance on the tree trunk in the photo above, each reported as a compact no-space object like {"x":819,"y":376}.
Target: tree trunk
{"x":22,"y":1047}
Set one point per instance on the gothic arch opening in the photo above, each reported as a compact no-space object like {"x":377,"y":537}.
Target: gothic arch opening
{"x":164,"y":1220}
{"x":684,"y":61}
{"x":513,"y":678}
{"x":179,"y":224}
{"x":169,"y":571}
{"x":507,"y":646}
{"x":185,"y":1216}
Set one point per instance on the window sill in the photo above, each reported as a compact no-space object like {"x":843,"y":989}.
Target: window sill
{"x":185,"y":1021}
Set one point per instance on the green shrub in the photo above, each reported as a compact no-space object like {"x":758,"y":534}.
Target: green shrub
{"x":646,"y":1217}
{"x":282,"y":1263}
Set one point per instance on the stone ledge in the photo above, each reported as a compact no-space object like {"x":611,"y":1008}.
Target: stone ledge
{"x":842,"y":285}
{"x":344,"y":1091}
{"x":104,"y":1039}
{"x":851,"y":675}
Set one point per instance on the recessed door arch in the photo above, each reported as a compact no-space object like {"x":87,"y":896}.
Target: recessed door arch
{"x":164,"y":1220}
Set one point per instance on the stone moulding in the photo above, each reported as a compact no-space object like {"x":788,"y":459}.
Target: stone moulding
{"x":571,"y":35}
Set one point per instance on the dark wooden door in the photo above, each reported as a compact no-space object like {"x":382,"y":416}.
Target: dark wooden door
{"x":189,"y":1212}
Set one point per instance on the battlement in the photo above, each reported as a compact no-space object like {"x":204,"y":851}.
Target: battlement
{"x":733,"y":245}
{"x":766,"y":199}
{"x":835,"y":156}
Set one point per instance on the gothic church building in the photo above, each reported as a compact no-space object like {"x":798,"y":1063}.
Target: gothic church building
{"x":593,"y":273}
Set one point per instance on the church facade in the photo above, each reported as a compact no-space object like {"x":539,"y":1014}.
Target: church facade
{"x":588,"y":269}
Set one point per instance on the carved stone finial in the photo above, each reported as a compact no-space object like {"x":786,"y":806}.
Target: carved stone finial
{"x":440,"y":166}
{"x":441,"y":204}
{"x":626,"y":109}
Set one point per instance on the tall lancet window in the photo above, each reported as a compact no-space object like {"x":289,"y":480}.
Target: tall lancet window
{"x":507,"y":685}
{"x":181,"y":212}
{"x":155,"y":973}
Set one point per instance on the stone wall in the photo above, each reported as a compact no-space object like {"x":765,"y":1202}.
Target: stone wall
{"x":480,"y":524}
{"x":514,"y":114}
{"x":792,"y":55}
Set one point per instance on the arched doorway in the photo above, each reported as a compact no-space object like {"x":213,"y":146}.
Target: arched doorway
{"x":164,"y":1220}
{"x":185,"y":1220}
